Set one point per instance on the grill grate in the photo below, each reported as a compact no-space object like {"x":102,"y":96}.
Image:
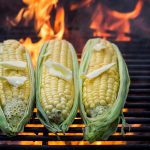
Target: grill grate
{"x":137,"y":56}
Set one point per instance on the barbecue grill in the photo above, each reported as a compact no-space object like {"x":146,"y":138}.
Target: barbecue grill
{"x":137,"y":56}
{"x":137,"y":108}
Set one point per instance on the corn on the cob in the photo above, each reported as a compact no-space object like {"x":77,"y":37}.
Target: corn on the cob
{"x":57,"y":85}
{"x":16,"y":87}
{"x":104,"y":84}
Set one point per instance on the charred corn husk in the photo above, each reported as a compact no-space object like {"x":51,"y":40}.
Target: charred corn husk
{"x":104,"y":84}
{"x":16,"y":87}
{"x":57,"y":85}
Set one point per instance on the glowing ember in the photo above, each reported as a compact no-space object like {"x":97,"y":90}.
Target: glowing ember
{"x":87,"y":143}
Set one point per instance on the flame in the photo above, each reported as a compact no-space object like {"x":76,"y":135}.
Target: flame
{"x":104,"y":19}
{"x":40,"y":11}
{"x":83,"y":3}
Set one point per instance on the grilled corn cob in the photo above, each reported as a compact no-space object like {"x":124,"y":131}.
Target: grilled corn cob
{"x":104,"y":84}
{"x":57,"y":85}
{"x":16,"y":87}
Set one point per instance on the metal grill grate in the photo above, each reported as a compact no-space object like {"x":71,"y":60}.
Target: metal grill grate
{"x":137,"y":112}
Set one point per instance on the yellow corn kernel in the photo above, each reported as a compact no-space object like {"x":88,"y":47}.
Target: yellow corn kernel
{"x":58,"y":92}
{"x":101,"y":91}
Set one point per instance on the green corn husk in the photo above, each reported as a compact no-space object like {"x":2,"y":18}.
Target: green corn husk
{"x":44,"y":55}
{"x":13,"y":79}
{"x":102,"y":126}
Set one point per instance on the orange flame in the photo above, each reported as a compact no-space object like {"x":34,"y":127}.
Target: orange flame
{"x":83,"y":3}
{"x":40,"y":10}
{"x":106,"y":19}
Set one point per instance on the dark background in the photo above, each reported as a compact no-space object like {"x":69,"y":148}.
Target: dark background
{"x":77,"y":20}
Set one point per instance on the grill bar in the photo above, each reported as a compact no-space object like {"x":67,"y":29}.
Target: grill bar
{"x":137,"y":105}
{"x":79,"y":129}
{"x":139,"y":98}
{"x":129,"y":120}
{"x":73,"y":138}
{"x":74,"y":147}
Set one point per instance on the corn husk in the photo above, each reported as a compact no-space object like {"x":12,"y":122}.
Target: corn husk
{"x":101,"y":127}
{"x":51,"y":126}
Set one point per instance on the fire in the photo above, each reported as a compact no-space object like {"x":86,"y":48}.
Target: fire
{"x":83,"y":3}
{"x":104,"y":19}
{"x":40,"y":11}
{"x":48,"y":26}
